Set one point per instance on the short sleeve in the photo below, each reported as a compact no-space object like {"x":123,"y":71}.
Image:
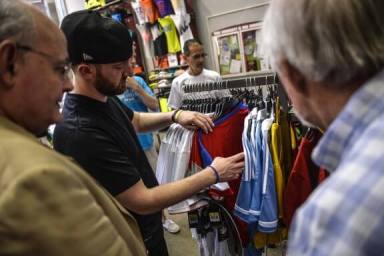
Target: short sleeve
{"x":129,"y":112}
{"x":99,"y":155}
{"x":144,"y":85}
{"x":174,"y":100}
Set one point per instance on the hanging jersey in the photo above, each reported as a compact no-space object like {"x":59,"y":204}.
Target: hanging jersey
{"x":224,"y":141}
{"x":173,"y":160}
{"x":140,"y":17}
{"x":150,"y":11}
{"x":257,"y":174}
{"x":182,"y":22}
{"x":146,"y":38}
{"x":89,"y":4}
{"x":299,"y":185}
{"x":179,"y":6}
{"x":245,"y":190}
{"x":164,"y":7}
{"x":268,"y":210}
{"x":276,"y":152}
{"x":159,"y":40}
{"x":169,"y":29}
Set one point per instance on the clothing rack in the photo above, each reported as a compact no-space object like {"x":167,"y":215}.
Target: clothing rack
{"x":232,"y":83}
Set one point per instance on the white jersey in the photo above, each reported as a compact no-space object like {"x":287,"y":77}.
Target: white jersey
{"x":179,"y":6}
{"x":139,"y":12}
{"x":182,"y":22}
{"x":177,"y":92}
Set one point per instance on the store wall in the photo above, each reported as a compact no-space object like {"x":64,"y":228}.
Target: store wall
{"x":74,"y":5}
{"x":214,"y":15}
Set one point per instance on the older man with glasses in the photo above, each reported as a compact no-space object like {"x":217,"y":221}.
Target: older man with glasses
{"x":48,"y":204}
{"x":196,"y":73}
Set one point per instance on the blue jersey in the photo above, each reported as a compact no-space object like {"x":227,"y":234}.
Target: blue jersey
{"x":257,"y":202}
{"x":134,"y":102}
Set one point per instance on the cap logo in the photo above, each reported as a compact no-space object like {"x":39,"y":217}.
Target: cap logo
{"x":87,"y":57}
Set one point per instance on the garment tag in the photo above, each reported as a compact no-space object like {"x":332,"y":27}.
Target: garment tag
{"x":193,"y":219}
{"x":204,"y":223}
{"x":222,"y":233}
{"x":214,"y":215}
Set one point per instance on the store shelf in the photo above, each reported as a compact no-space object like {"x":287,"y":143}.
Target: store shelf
{"x":168,"y":68}
{"x":161,"y":78}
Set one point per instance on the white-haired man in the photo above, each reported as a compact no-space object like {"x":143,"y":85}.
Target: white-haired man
{"x":330,"y":58}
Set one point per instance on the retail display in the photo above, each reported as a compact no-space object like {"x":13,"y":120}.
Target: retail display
{"x":257,"y":201}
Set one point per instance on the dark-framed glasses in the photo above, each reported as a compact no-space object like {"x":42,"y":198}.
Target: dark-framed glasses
{"x":61,"y":68}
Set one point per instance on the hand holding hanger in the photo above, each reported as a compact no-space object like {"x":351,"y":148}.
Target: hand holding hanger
{"x":192,"y":120}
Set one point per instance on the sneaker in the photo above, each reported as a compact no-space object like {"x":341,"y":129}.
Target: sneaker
{"x":171,"y":226}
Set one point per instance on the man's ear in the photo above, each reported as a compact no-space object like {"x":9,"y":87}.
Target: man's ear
{"x":88,"y":72}
{"x":293,"y":76}
{"x":8,"y":56}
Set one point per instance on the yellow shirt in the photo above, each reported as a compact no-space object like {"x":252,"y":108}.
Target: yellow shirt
{"x":169,"y":28}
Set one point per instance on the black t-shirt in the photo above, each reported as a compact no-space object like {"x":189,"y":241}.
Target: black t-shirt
{"x":103,"y":141}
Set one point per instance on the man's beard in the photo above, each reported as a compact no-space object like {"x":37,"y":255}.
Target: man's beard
{"x":107,"y":88}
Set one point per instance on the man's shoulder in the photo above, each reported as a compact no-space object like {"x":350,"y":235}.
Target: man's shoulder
{"x":210,"y":74}
{"x":181,"y":78}
{"x":22,"y":156}
{"x":140,"y":80}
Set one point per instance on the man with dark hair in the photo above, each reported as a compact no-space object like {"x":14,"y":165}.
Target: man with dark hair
{"x":99,"y":131}
{"x":330,"y":58}
{"x":196,"y":73}
{"x":48,"y":204}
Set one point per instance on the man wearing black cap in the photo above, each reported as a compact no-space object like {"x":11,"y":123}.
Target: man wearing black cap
{"x":99,"y":131}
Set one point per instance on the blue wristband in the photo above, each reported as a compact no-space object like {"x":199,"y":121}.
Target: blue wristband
{"x":216,"y":173}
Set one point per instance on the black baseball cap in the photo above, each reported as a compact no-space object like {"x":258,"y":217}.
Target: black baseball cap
{"x":96,"y":39}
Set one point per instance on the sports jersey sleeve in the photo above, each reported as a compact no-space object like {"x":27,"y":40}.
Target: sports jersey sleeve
{"x":175,"y":96}
{"x":103,"y":159}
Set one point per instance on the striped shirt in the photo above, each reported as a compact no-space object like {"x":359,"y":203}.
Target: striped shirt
{"x":345,"y":215}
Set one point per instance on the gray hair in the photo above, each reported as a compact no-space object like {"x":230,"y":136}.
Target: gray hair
{"x":16,"y":21}
{"x":326,"y":40}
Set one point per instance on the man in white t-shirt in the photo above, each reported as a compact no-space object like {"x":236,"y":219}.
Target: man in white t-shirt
{"x":196,"y":73}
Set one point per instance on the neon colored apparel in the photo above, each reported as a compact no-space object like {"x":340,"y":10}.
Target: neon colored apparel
{"x":169,"y":28}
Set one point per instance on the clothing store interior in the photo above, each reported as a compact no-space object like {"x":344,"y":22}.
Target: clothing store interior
{"x":211,"y":146}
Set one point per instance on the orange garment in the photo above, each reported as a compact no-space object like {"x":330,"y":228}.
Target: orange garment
{"x":150,"y":11}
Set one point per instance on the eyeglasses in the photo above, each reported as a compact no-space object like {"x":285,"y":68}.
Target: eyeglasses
{"x":61,"y":68}
{"x":198,"y":56}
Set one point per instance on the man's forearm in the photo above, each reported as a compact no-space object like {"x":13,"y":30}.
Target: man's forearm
{"x":182,"y":189}
{"x":148,"y":122}
{"x":145,"y":201}
{"x":149,"y":101}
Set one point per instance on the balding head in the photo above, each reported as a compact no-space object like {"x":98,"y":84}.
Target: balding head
{"x":33,"y":66}
{"x":16,"y":21}
{"x":46,"y":31}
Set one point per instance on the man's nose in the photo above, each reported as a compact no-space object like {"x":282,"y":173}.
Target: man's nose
{"x":67,"y":85}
